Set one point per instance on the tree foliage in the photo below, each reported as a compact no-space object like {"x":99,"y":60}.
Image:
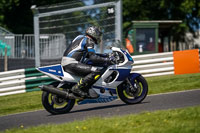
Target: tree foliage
{"x":16,"y":15}
{"x":185,"y":10}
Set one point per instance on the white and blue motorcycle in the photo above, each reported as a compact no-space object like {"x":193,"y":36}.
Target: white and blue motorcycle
{"x":116,"y":81}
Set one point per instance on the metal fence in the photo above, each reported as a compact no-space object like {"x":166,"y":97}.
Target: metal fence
{"x":23,"y":46}
{"x":72,"y":18}
{"x":21,"y":50}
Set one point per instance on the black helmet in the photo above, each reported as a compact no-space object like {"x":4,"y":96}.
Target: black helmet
{"x":95,"y":33}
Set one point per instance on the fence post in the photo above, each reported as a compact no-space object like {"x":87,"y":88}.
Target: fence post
{"x":36,"y":35}
{"x":5,"y":60}
{"x":118,"y":20}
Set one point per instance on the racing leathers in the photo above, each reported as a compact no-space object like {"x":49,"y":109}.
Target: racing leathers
{"x":80,"y":59}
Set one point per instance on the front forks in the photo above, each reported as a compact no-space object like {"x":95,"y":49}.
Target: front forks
{"x":133,"y":88}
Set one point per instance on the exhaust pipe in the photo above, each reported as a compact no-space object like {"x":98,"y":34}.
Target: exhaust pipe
{"x":56,"y":91}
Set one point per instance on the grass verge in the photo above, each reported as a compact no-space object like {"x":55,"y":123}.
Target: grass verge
{"x":184,"y":120}
{"x":32,"y":100}
{"x":170,"y":83}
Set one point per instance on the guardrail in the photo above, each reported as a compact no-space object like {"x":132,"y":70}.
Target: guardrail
{"x":21,"y":81}
{"x":27,"y":80}
{"x":154,"y":64}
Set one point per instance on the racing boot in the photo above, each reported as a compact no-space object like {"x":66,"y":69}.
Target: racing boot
{"x":91,"y":79}
{"x":91,"y":93}
{"x":85,"y":83}
{"x":76,"y":89}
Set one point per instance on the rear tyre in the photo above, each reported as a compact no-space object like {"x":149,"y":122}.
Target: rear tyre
{"x":134,"y":94}
{"x":55,"y":104}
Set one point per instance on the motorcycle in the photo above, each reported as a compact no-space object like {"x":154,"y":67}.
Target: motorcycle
{"x":116,"y":81}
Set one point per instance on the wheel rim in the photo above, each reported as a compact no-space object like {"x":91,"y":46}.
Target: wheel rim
{"x":133,"y":92}
{"x":57,"y":103}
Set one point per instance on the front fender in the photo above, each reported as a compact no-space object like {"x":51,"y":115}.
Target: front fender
{"x":132,"y":76}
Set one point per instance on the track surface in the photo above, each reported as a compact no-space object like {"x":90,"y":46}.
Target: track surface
{"x":81,"y":112}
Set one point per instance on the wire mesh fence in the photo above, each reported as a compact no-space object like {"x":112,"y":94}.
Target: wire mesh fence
{"x":55,"y":26}
{"x":23,"y":46}
{"x":72,"y":18}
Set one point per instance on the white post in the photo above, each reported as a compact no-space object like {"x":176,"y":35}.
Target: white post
{"x":37,"y":36}
{"x":118,"y":20}
{"x":5,"y":60}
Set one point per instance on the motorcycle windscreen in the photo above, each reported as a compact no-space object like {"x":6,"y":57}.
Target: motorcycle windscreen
{"x":55,"y":70}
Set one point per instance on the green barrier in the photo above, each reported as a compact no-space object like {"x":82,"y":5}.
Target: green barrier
{"x":34,"y":75}
{"x":32,"y":84}
{"x":31,"y":71}
{"x":31,"y":90}
{"x":38,"y":80}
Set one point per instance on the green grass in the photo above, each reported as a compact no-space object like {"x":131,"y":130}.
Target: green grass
{"x":32,"y":100}
{"x":186,"y":120}
{"x":172,"y":83}
{"x":20,"y":103}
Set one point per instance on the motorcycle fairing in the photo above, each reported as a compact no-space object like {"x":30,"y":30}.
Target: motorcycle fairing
{"x":55,"y":70}
{"x":133,"y":76}
{"x":123,"y":74}
{"x":109,"y":95}
{"x":101,"y":99}
{"x":110,"y":90}
{"x":127,"y":55}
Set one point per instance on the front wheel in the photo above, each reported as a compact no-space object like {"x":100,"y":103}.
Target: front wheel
{"x":55,"y":104}
{"x":133,"y":91}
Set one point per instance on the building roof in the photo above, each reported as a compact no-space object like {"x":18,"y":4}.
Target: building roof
{"x":162,"y":23}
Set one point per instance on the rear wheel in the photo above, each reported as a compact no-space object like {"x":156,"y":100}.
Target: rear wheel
{"x":133,"y":91}
{"x":55,"y":104}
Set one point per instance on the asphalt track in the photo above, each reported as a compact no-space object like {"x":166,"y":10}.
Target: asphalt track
{"x":81,"y":112}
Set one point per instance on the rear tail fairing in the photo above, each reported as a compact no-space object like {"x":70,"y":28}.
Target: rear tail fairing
{"x":56,"y":72}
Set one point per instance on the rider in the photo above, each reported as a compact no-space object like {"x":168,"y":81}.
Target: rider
{"x":79,"y":55}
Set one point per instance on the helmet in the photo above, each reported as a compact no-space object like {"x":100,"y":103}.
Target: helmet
{"x":95,"y":33}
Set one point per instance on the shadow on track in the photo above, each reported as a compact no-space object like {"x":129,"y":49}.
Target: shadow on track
{"x":99,"y":108}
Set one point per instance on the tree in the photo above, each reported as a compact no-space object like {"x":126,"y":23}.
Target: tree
{"x":185,"y":10}
{"x":16,"y":15}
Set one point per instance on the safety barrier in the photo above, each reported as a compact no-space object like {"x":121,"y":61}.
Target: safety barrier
{"x":154,"y":64}
{"x":21,"y":81}
{"x":178,"y":62}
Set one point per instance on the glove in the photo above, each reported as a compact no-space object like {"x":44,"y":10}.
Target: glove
{"x":112,"y":60}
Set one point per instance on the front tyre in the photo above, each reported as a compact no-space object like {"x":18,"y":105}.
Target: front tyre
{"x":133,"y":91}
{"x":55,"y":104}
